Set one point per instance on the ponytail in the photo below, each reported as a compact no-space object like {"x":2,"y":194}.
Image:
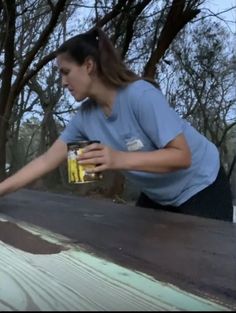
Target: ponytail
{"x":95,"y":44}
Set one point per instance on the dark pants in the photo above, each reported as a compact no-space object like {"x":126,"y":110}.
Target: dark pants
{"x":215,"y":201}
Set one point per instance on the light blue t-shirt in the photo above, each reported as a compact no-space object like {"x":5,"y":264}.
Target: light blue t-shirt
{"x":142,"y":120}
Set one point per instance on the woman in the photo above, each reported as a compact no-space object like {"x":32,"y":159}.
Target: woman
{"x":176,"y":167}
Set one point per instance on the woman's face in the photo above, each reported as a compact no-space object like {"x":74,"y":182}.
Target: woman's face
{"x":75,"y":77}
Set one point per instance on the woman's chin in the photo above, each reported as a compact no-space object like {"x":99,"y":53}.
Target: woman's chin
{"x":79,"y":98}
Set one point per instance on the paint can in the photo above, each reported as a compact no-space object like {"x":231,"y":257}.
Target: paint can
{"x":77,"y":173}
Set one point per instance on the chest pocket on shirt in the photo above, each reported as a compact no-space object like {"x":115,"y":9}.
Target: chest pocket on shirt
{"x":134,"y":144}
{"x":134,"y":138}
{"x":134,"y":141}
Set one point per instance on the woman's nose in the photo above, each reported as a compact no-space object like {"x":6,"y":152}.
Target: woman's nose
{"x":64,"y":82}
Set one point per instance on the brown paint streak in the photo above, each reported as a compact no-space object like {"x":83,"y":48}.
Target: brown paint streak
{"x":19,"y":238}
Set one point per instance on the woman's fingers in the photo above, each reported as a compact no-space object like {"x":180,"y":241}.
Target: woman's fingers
{"x":98,"y":168}
{"x":93,"y":146}
{"x":100,"y":155}
{"x":94,"y":160}
{"x":90,"y":155}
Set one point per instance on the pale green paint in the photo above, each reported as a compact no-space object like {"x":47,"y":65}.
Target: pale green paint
{"x":166,"y":295}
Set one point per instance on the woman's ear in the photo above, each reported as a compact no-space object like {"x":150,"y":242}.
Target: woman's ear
{"x":90,"y":66}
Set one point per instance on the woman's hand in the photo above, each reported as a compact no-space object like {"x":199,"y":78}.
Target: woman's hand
{"x":176,"y":155}
{"x":102,"y":156}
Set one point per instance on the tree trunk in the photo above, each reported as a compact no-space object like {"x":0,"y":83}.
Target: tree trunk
{"x":48,"y":136}
{"x":232,"y":166}
{"x":3,"y":140}
{"x":9,"y":44}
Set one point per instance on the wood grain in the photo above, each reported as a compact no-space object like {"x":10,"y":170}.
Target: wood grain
{"x":74,"y":280}
{"x":195,"y":254}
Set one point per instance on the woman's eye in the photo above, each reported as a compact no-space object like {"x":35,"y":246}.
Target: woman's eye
{"x":64,"y":72}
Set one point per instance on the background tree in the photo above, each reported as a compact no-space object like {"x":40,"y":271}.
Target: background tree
{"x":14,"y":69}
{"x":202,"y":88}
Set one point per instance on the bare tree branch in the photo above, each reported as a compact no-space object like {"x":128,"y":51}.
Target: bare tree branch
{"x":109,"y":16}
{"x":140,"y":6}
{"x":50,"y":4}
{"x":41,"y":41}
{"x":178,"y":16}
{"x":51,"y":56}
{"x":37,"y":68}
{"x":225,"y":132}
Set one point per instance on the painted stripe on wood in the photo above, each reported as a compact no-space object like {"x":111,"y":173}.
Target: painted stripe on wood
{"x":75,"y":280}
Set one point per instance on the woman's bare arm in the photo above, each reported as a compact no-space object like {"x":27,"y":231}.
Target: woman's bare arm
{"x":37,"y":168}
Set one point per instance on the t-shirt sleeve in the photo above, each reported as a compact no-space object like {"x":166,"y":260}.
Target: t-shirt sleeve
{"x":157,"y":119}
{"x":73,"y":131}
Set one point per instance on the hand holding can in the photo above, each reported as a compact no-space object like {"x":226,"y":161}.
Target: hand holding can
{"x":77,"y":173}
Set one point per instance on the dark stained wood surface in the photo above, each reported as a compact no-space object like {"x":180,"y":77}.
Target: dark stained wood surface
{"x":195,"y":254}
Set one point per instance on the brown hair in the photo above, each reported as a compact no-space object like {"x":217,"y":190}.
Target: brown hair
{"x":95,"y":44}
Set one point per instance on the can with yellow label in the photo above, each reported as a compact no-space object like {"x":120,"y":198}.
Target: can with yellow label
{"x":77,"y":173}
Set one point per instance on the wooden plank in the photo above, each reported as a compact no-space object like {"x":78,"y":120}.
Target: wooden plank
{"x":195,"y":254}
{"x":73,"y":280}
